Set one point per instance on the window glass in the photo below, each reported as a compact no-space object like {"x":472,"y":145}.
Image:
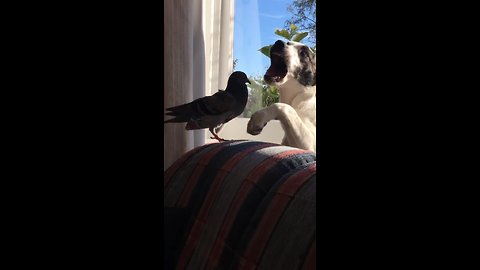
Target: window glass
{"x":257,"y":25}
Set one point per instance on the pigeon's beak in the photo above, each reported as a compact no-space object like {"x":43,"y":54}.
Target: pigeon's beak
{"x":249,"y":81}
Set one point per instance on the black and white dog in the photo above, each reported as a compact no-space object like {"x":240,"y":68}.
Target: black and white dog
{"x":293,"y":71}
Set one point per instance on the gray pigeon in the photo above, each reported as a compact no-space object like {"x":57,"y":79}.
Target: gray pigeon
{"x":213,"y":111}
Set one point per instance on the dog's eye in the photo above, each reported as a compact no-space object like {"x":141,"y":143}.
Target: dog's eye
{"x":303,"y":53}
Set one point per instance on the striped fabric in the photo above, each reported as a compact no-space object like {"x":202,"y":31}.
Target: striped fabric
{"x":241,"y":205}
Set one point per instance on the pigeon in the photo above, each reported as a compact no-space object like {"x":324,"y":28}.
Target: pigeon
{"x":214,"y":111}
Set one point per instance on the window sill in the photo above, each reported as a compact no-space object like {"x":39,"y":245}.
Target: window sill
{"x":236,"y":129}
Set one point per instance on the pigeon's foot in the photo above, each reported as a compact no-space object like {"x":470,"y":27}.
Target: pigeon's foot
{"x":215,"y":136}
{"x":219,"y":139}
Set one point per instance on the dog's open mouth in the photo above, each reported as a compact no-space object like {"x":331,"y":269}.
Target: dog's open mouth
{"x":278,"y":68}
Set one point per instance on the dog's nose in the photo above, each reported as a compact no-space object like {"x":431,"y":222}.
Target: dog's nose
{"x":279,"y":44}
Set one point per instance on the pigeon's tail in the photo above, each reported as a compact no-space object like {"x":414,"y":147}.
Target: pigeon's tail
{"x":177,"y":120}
{"x":182,"y":114}
{"x":179,"y":109}
{"x":191,"y":124}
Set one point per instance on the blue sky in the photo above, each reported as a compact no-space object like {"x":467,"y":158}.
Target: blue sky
{"x":254,"y":27}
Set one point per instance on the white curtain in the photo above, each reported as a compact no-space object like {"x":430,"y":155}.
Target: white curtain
{"x":198,"y":55}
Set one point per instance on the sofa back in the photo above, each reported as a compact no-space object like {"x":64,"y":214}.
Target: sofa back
{"x":241,"y":204}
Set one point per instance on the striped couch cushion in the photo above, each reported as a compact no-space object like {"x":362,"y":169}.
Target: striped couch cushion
{"x":241,"y":205}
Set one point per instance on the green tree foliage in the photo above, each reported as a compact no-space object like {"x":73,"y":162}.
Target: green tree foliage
{"x":304,"y":14}
{"x":235,"y":62}
{"x":289,"y":34}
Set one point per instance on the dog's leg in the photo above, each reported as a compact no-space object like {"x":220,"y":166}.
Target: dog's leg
{"x":296,"y":133}
{"x":259,"y":120}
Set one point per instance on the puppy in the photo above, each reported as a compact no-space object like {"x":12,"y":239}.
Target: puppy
{"x":293,"y":72}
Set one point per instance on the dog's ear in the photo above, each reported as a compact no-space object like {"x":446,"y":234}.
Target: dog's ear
{"x":306,"y":73}
{"x":314,"y":67}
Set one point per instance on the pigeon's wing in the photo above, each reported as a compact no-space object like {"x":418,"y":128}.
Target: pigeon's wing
{"x":217,"y":104}
{"x":206,"y":112}
{"x":212,"y":111}
{"x":220,"y":103}
{"x":219,"y":127}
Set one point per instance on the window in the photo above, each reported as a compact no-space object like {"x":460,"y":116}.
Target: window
{"x":257,"y":25}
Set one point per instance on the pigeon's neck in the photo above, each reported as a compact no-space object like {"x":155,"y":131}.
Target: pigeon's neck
{"x":240,"y":93}
{"x":233,"y":89}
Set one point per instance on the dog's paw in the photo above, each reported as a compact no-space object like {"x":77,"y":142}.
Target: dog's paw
{"x":257,"y":122}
